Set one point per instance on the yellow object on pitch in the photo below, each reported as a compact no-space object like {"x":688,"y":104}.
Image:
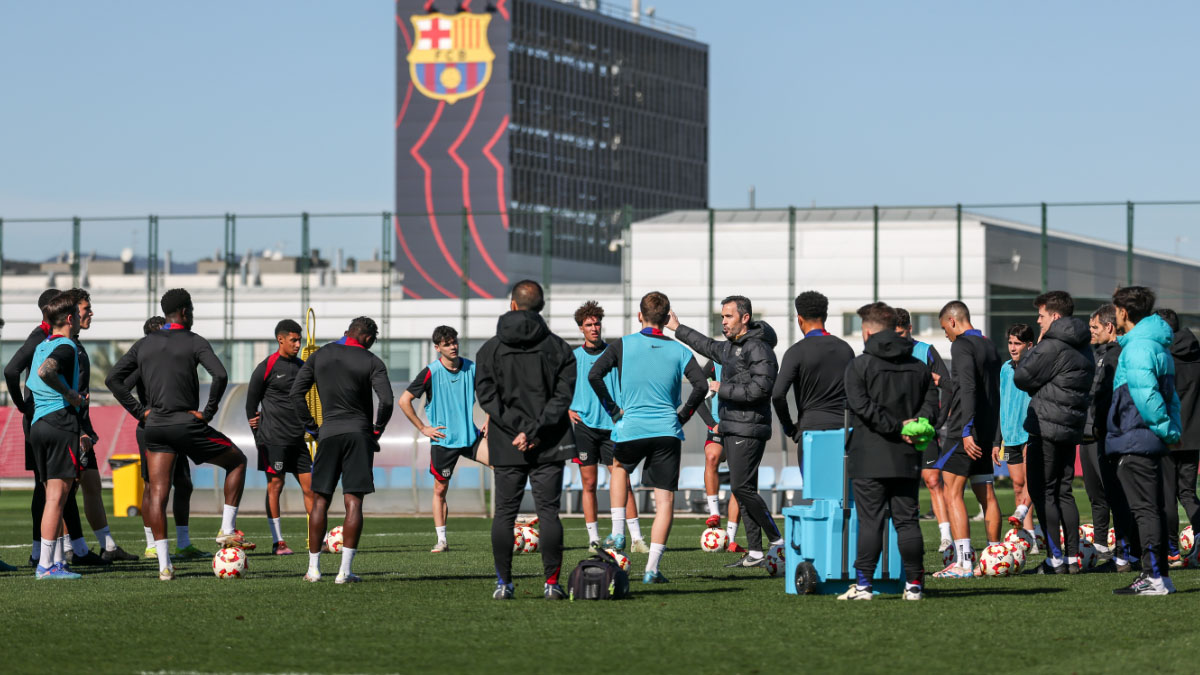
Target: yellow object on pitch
{"x":314,"y":400}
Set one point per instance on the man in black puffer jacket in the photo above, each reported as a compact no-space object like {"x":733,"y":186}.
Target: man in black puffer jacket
{"x":1057,"y":372}
{"x":748,"y":371}
{"x":1180,"y":465}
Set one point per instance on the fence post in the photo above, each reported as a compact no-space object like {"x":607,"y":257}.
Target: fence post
{"x":875,"y":254}
{"x":230,"y":275}
{"x":465,"y":262}
{"x":75,"y":228}
{"x":547,"y":252}
{"x":305,"y":264}
{"x":385,"y":286}
{"x":791,"y":275}
{"x":712,"y":266}
{"x":151,"y":263}
{"x":1129,"y":243}
{"x":1045,"y":251}
{"x":958,"y":255}
{"x":626,"y":267}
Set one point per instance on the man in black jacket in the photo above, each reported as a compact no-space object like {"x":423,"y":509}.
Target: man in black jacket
{"x":971,"y":426}
{"x":524,"y":381}
{"x":1180,"y":465}
{"x":1057,"y":373}
{"x":885,"y":388}
{"x":345,"y":373}
{"x":167,"y":361}
{"x":748,"y":370}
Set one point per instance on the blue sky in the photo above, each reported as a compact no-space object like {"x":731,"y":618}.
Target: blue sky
{"x":269,"y":106}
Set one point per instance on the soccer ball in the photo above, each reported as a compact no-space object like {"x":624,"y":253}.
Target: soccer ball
{"x":949,"y":556}
{"x":530,"y":537}
{"x":774,"y":561}
{"x":1017,"y":552}
{"x":518,"y":539}
{"x":996,"y":561}
{"x":229,"y":563}
{"x":1040,"y":539}
{"x":1020,"y":538}
{"x":712,"y":540}
{"x":1087,"y":533}
{"x":1112,"y":538}
{"x":1187,"y":542}
{"x":1087,"y":554}
{"x":334,"y":539}
{"x":621,"y":558}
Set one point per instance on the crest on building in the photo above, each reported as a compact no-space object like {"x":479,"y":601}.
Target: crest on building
{"x":450,"y":58}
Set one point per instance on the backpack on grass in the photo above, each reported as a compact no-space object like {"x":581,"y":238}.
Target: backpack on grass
{"x":598,"y":578}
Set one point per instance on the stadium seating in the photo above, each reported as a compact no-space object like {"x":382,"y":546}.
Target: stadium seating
{"x":204,"y":477}
{"x":401,"y":477}
{"x":690,"y":478}
{"x":791,"y":483}
{"x":380,"y":477}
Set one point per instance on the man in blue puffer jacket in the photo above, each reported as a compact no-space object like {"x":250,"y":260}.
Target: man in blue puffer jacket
{"x":1143,"y":424}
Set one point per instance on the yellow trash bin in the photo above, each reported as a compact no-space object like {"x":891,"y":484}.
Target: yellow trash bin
{"x":127,"y":484}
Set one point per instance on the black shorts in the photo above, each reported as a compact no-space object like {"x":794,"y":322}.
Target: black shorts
{"x":30,"y":461}
{"x":88,"y":461}
{"x":662,"y":455}
{"x":593,"y":446}
{"x":954,"y":459}
{"x":345,"y":457}
{"x":277,"y":460}
{"x":714,"y":437}
{"x":442,"y":460}
{"x":195,"y":440}
{"x":56,"y":447}
{"x":183,"y":470}
{"x":1014,"y":454}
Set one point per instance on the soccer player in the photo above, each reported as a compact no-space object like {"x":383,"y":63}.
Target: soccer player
{"x":647,"y":423}
{"x":89,"y":477}
{"x":593,"y":431}
{"x":524,"y":381}
{"x":971,"y":425}
{"x":1145,"y":426}
{"x":1057,"y":373}
{"x":1011,"y":437}
{"x":885,"y":388}
{"x":928,"y":354}
{"x":278,"y":434}
{"x":448,"y":385}
{"x":166,"y":360}
{"x":1180,"y":465}
{"x":15,"y":373}
{"x":714,"y":454}
{"x":58,"y":442}
{"x":345,"y":372}
{"x":181,"y":479}
{"x":748,"y":370}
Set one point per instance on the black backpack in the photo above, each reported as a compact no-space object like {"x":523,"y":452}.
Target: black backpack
{"x":598,"y":578}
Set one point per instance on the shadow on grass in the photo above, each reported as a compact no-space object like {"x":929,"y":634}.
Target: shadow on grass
{"x":1008,"y":592}
{"x":641,"y":591}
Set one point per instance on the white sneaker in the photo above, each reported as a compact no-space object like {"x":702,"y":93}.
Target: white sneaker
{"x":350,"y":578}
{"x":313,"y":575}
{"x":946,"y":543}
{"x":910,"y":594}
{"x":440,"y":547}
{"x":856,"y":593}
{"x":639,"y":546}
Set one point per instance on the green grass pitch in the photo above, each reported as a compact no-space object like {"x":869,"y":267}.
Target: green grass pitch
{"x":418,"y":612}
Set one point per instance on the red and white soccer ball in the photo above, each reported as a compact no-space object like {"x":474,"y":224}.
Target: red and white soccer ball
{"x":1017,"y":552}
{"x":529,"y":538}
{"x":229,"y":563}
{"x":996,"y":561}
{"x":518,"y":539}
{"x":1087,"y":554}
{"x":621,"y":558}
{"x":1019,"y":537}
{"x":1112,"y":538}
{"x":1087,"y":532}
{"x":333,"y":540}
{"x":775,"y":561}
{"x":712,"y":540}
{"x":949,"y":556}
{"x":1187,"y":542}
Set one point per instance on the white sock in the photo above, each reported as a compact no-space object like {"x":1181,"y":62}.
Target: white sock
{"x":754,"y":555}
{"x":777,"y":542}
{"x":731,"y":529}
{"x":1020,"y":512}
{"x":618,"y":521}
{"x":46,"y":552}
{"x":635,"y":528}
{"x":441,"y":534}
{"x":1100,"y":548}
{"x":78,"y":546}
{"x":182,"y":538}
{"x":1032,"y":533}
{"x":1055,"y":562}
{"x":593,"y":530}
{"x":1119,"y":560}
{"x":276,"y":535}
{"x":347,"y":560}
{"x":35,"y":551}
{"x":656,"y":554}
{"x":60,"y":547}
{"x":105,"y":539}
{"x":1071,"y":560}
{"x":993,"y":543}
{"x":149,"y":537}
{"x":164,"y":556}
{"x":962,"y":548}
{"x":229,"y":519}
{"x":714,"y":504}
{"x":314,"y":561}
{"x":944,"y":528}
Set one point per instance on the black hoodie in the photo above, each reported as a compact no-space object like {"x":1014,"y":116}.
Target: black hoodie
{"x":524,"y":381}
{"x":1186,"y":350}
{"x":748,"y":371}
{"x":1058,"y":373}
{"x":885,"y":386}
{"x":1106,"y":355}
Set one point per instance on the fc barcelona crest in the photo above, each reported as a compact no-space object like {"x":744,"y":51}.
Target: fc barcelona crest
{"x":451,"y":58}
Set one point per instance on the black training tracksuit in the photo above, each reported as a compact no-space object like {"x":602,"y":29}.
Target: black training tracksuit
{"x":1180,"y":466}
{"x":345,"y":375}
{"x":814,"y":371}
{"x":885,"y":386}
{"x":271,"y":386}
{"x":1104,"y":491}
{"x":166,"y":360}
{"x":974,"y":402}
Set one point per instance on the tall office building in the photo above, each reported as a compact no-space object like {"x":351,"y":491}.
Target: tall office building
{"x":521,"y":117}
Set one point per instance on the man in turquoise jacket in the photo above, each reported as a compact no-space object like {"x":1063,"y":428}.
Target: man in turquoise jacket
{"x":1143,"y":423}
